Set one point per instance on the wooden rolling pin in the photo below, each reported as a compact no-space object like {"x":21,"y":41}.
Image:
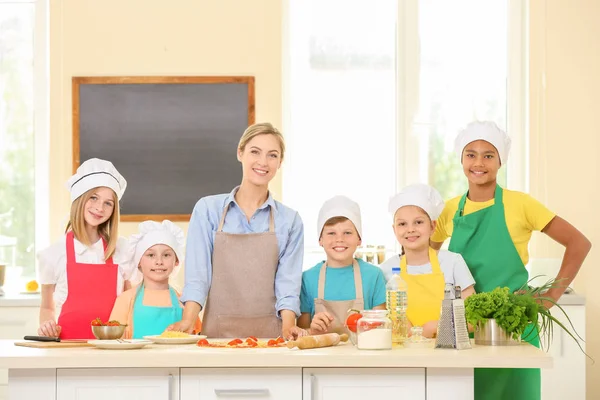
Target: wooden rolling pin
{"x":314,"y":342}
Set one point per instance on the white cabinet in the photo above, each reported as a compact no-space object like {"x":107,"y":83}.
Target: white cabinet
{"x":566,"y":380}
{"x":16,"y":322}
{"x":117,"y":384}
{"x":241,"y":383}
{"x":363,"y":383}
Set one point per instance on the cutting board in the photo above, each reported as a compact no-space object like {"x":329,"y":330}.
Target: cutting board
{"x":52,"y":345}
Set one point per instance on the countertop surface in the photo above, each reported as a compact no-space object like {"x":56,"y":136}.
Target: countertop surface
{"x":20,"y":300}
{"x":344,"y":355}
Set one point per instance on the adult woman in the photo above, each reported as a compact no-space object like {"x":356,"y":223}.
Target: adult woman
{"x":244,"y":251}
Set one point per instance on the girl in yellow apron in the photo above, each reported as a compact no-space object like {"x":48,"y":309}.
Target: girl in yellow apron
{"x":341,"y":282}
{"x":491,"y":228}
{"x":426,"y":271}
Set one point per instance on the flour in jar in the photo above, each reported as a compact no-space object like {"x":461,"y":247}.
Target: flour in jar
{"x":375,"y":339}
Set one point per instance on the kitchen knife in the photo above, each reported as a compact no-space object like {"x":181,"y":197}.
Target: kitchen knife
{"x":42,"y":338}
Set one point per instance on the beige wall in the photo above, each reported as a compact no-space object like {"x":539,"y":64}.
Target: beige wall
{"x":145,"y":37}
{"x":241,"y":37}
{"x":565,"y":47}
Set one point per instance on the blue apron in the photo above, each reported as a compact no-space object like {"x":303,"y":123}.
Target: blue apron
{"x":150,"y":320}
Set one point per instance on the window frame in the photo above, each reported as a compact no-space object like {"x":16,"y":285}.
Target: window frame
{"x":41,"y":124}
{"x":407,"y":70}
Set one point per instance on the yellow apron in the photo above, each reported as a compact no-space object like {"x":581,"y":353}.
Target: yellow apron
{"x":425,"y":291}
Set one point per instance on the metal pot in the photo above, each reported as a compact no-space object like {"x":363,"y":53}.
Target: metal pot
{"x":491,"y":334}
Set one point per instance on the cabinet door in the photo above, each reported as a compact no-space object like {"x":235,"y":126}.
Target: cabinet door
{"x":16,"y":322}
{"x":566,"y":380}
{"x":117,"y":384}
{"x":363,"y":383}
{"x":241,"y":383}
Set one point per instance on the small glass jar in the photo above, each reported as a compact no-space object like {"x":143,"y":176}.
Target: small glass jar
{"x":374,"y":331}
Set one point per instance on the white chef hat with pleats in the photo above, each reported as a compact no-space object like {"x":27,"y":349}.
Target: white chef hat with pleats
{"x":96,"y":173}
{"x":339,"y":206}
{"x":420,"y":195}
{"x":484,"y":130}
{"x":152,"y":233}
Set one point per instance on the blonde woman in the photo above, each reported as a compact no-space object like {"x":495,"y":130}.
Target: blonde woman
{"x":82,"y":274}
{"x":244,"y":251}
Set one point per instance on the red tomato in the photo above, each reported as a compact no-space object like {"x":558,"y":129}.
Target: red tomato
{"x":97,"y":322}
{"x":273,"y":343}
{"x":253,"y":338}
{"x":202,"y":342}
{"x":250,"y":341}
{"x":352,"y":320}
{"x":235,"y":342}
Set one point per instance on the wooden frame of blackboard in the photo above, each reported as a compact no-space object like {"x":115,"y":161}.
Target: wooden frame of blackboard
{"x":116,"y":80}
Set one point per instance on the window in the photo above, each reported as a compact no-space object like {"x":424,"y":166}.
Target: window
{"x":375,"y":93}
{"x":341,"y":128}
{"x":23,"y":136}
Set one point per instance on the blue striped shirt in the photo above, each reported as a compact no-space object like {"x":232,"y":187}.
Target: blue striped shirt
{"x":200,"y":241}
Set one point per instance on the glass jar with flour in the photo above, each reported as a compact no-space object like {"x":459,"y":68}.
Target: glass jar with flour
{"x":374,"y":331}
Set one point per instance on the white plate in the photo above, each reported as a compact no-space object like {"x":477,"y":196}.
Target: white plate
{"x":126,"y":344}
{"x":192,"y":339}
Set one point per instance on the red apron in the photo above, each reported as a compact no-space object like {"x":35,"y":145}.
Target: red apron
{"x":92,"y":291}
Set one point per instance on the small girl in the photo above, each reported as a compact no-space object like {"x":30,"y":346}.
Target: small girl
{"x":153,"y":305}
{"x":425,"y":271}
{"x":82,"y":274}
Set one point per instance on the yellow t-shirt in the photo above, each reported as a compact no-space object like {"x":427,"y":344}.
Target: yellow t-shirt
{"x":523,"y":214}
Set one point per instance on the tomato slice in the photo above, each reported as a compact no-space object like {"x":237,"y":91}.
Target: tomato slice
{"x":280,"y":340}
{"x":235,"y":342}
{"x":252,"y":338}
{"x":272,"y":343}
{"x":202,"y":343}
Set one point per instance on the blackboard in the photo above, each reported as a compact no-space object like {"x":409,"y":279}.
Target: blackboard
{"x":174,"y":139}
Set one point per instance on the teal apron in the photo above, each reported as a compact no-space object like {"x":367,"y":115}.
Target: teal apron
{"x":150,"y":320}
{"x":482,"y":238}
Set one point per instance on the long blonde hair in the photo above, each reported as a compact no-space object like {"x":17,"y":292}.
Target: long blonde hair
{"x":108,"y":230}
{"x":264,"y":128}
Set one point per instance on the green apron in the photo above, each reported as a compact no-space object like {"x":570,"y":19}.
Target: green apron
{"x":482,"y":238}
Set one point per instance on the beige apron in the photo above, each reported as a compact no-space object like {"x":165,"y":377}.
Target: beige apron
{"x":339,"y":309}
{"x":241,"y":299}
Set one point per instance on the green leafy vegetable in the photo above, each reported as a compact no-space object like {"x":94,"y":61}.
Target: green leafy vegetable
{"x":513,"y":312}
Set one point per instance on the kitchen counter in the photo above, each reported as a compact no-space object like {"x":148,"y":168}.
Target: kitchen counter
{"x":186,"y":372}
{"x":20,"y":300}
{"x":345,"y":355}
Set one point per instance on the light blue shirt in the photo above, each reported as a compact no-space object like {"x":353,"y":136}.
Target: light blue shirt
{"x":339,"y":285}
{"x":201,"y":237}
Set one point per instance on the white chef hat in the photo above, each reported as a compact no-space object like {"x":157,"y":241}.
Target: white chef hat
{"x":484,"y":130}
{"x":339,"y":206}
{"x":420,"y":195}
{"x":151,"y":233}
{"x":96,"y":173}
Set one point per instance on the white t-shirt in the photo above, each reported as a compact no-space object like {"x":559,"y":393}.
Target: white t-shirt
{"x":452,"y":265}
{"x":52,"y":268}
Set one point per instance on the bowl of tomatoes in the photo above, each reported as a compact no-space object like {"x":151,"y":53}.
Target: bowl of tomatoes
{"x":110,"y":330}
{"x":351,"y":324}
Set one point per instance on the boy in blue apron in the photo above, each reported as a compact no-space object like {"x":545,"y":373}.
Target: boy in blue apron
{"x":150,"y":307}
{"x":491,"y":228}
